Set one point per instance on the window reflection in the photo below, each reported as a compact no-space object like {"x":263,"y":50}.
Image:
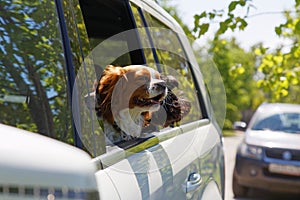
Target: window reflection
{"x":175,"y":64}
{"x":144,"y":39}
{"x":33,"y":92}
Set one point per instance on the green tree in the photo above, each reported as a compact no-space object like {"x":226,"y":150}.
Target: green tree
{"x":237,"y":68}
{"x":235,"y":65}
{"x":280,"y":68}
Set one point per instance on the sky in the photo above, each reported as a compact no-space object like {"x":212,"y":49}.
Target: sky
{"x":260,"y":28}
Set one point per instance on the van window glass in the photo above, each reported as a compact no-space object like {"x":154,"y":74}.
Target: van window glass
{"x":112,"y":39}
{"x":174,"y":62}
{"x":143,"y":36}
{"x":84,"y":78}
{"x":33,"y":80}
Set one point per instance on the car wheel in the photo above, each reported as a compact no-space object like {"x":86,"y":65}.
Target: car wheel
{"x":238,"y":190}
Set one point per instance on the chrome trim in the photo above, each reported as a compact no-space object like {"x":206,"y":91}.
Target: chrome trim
{"x":47,"y":193}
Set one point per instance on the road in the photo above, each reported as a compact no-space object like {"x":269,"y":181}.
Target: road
{"x":230,"y":146}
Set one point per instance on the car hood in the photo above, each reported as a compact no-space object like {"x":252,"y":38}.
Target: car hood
{"x":273,"y":139}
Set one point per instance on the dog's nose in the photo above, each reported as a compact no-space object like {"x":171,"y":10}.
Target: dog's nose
{"x":159,"y":86}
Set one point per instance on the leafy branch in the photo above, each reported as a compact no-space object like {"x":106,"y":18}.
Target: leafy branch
{"x":280,"y":69}
{"x":226,"y":20}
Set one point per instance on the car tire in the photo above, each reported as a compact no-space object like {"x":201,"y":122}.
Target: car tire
{"x":238,"y":190}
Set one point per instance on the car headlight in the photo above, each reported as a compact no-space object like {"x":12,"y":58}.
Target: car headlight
{"x":250,"y":151}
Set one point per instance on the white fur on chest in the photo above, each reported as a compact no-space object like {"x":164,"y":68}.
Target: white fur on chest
{"x":131,"y":124}
{"x":131,"y":121}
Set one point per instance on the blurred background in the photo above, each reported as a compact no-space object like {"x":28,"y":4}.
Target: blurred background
{"x":253,"y":44}
{"x":249,"y":53}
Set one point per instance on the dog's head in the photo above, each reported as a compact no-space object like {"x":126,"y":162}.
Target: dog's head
{"x":173,"y":108}
{"x":136,"y":87}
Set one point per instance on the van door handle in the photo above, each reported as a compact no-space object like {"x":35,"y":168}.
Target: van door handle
{"x":193,"y":182}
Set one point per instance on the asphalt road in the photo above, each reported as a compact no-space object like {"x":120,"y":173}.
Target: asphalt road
{"x":230,"y":146}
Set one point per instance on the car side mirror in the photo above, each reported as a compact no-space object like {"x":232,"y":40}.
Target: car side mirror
{"x":239,"y":126}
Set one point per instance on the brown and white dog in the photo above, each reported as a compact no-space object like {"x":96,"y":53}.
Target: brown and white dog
{"x":126,"y":97}
{"x":173,"y":108}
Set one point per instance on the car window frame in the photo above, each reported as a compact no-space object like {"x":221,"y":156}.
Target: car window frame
{"x":116,"y":154}
{"x":143,"y":7}
{"x":154,"y":138}
{"x":69,"y":65}
{"x":72,"y":19}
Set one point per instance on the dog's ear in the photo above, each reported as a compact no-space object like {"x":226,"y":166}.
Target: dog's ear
{"x":105,"y":89}
{"x":172,"y":110}
{"x":120,"y":95}
{"x":170,"y":81}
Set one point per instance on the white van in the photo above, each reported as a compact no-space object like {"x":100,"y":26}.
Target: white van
{"x":53,"y":144}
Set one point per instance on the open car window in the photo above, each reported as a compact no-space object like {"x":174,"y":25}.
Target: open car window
{"x":137,"y":40}
{"x":170,"y":60}
{"x":112,"y":40}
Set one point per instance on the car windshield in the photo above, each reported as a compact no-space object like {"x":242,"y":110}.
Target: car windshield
{"x":286,"y":122}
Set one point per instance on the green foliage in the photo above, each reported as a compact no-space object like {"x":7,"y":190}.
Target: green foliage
{"x":281,"y":69}
{"x":226,"y":20}
{"x":237,"y":68}
{"x":278,"y":72}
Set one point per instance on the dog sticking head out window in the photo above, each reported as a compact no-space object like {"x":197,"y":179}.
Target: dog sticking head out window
{"x":131,"y":98}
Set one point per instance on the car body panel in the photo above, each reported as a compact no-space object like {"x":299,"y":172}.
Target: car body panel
{"x":106,"y":187}
{"x":63,"y":164}
{"x":273,"y":139}
{"x":160,"y":172}
{"x":261,"y":179}
{"x":210,"y":191}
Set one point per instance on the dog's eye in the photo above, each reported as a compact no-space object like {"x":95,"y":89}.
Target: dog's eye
{"x":144,"y":79}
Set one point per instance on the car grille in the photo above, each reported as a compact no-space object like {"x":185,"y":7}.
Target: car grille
{"x":46,"y":193}
{"x":279,"y":154}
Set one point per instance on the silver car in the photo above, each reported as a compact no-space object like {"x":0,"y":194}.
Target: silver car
{"x":269,"y":156}
{"x":54,"y":146}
